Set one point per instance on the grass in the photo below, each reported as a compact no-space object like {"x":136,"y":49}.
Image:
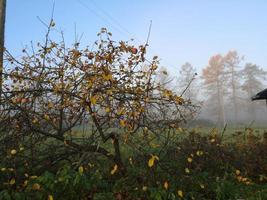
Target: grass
{"x":232,"y":169}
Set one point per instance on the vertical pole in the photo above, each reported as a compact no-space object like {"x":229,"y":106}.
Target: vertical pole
{"x":2,"y":39}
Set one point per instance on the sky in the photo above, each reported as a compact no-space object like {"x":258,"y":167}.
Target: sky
{"x":182,"y":30}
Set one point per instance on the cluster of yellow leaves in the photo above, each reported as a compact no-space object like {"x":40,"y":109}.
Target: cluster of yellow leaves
{"x":199,"y":153}
{"x":167,"y":93}
{"x":242,"y":179}
{"x":107,"y":77}
{"x":3,"y":169}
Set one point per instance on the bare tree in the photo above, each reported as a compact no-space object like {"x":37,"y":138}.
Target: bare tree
{"x":187,"y":82}
{"x":214,"y":79}
{"x":232,"y":61}
{"x":253,"y":76}
{"x":53,"y":89}
{"x":163,"y":78}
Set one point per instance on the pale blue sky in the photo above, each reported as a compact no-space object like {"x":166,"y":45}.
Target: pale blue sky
{"x":182,"y":30}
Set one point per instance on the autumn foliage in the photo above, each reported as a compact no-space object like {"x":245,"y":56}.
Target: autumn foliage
{"x":53,"y":89}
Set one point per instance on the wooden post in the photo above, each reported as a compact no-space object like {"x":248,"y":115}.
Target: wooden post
{"x":2,"y":40}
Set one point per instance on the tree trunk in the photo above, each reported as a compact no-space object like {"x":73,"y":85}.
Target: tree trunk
{"x":234,"y":94}
{"x":221,"y":115}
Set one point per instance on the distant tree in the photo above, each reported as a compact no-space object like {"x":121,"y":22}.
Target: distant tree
{"x":214,"y":78}
{"x":163,"y":78}
{"x":232,"y":61}
{"x":253,"y":76}
{"x":187,"y":82}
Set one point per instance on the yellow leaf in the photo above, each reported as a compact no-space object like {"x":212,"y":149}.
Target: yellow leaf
{"x":46,"y":117}
{"x":202,"y":186}
{"x":90,"y":84}
{"x":154,"y":67}
{"x":13,"y":151}
{"x":239,"y":178}
{"x":151,"y":161}
{"x":131,"y":161}
{"x":180,"y":193}
{"x":121,"y":111}
{"x":187,"y":170}
{"x":36,"y":186}
{"x":122,"y":123}
{"x":80,"y":170}
{"x":167,"y":93}
{"x":50,"y":105}
{"x":115,"y":168}
{"x":144,"y":188}
{"x":179,"y":100}
{"x":93,"y":100}
{"x":11,"y":169}
{"x":189,"y":160}
{"x":107,"y":77}
{"x":25,"y":183}
{"x":91,"y":165}
{"x":107,"y":109}
{"x":166,"y":185}
{"x":35,"y":120}
{"x":199,"y":153}
{"x":237,"y":172}
{"x":244,"y":179}
{"x":50,"y":197}
{"x":12,"y":181}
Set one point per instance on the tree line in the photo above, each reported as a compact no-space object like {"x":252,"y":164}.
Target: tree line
{"x":223,"y":89}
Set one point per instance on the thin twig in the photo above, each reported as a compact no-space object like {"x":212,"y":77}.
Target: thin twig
{"x":149,"y":31}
